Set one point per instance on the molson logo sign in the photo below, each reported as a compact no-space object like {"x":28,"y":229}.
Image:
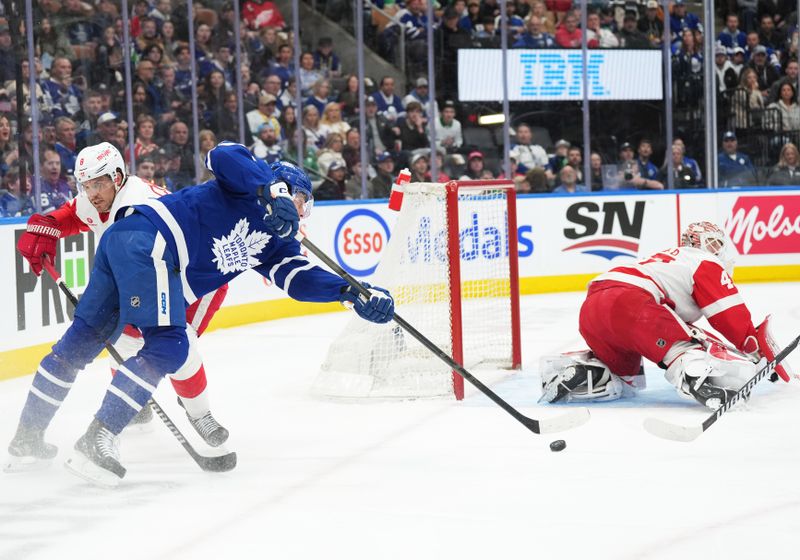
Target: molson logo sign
{"x":761,"y":225}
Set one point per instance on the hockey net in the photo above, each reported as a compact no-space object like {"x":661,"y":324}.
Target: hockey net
{"x":453,"y":274}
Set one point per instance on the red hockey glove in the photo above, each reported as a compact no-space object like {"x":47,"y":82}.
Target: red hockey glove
{"x":769,"y":348}
{"x":40,"y":238}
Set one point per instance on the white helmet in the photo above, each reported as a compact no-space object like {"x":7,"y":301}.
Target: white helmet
{"x":99,"y":160}
{"x":710,"y":238}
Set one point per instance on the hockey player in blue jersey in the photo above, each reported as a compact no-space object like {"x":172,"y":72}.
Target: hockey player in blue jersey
{"x":162,"y":256}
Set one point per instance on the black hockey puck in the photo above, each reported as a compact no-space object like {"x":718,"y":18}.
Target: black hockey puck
{"x":558,"y":445}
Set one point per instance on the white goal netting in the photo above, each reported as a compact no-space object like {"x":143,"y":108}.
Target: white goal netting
{"x":383,"y":361}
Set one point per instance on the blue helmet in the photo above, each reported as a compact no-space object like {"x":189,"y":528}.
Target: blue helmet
{"x":296,"y":178}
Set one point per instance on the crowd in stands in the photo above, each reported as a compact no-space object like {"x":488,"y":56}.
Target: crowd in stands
{"x":81,"y":94}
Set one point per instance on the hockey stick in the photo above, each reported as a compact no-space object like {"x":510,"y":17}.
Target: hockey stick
{"x":566,"y":421}
{"x":676,"y":432}
{"x":219,"y":463}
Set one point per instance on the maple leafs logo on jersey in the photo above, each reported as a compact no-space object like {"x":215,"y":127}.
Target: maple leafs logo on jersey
{"x":236,"y":252}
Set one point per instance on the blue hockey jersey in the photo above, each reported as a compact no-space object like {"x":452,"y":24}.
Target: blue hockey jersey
{"x":217,"y":232}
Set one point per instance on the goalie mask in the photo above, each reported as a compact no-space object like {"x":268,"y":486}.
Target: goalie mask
{"x":710,"y":238}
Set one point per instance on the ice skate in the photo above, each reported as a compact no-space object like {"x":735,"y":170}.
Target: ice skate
{"x":570,"y":378}
{"x":708,"y":394}
{"x":96,"y":456}
{"x":28,"y":451}
{"x":208,"y":428}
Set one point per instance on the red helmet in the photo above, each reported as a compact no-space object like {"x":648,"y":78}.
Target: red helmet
{"x":704,"y":236}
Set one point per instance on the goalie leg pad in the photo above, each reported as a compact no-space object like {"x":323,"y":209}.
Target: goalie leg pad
{"x":769,"y":348}
{"x":579,"y":376}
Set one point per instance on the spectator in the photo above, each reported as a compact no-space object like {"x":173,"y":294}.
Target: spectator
{"x":683,"y":175}
{"x":528,"y":154}
{"x":421,"y":96}
{"x":330,"y":152}
{"x":380,"y":136}
{"x":175,"y":176}
{"x":568,"y":35}
{"x":51,"y":43}
{"x":535,"y":37}
{"x":779,"y":10}
{"x":333,"y":188}
{"x":60,"y":93}
{"x":207,"y":140}
{"x":738,"y":60}
{"x":631,"y":174}
{"x":325,"y":60}
{"x":273,"y":86}
{"x":212,"y":95}
{"x":734,"y":167}
{"x":320,"y":95}
{"x":7,"y":59}
{"x":381,"y":184}
{"x":183,"y":71}
{"x":569,"y":181}
{"x":282,"y":66}
{"x":314,"y":133}
{"x":596,"y":166}
{"x":647,"y":168}
{"x":766,"y":73}
{"x":687,"y":71}
{"x":747,"y":99}
{"x":264,"y":113}
{"x":145,"y":73}
{"x":441,"y":175}
{"x":630,"y":37}
{"x":557,"y":161}
{"x":169,"y":39}
{"x":348,"y":98}
{"x":771,"y":37}
{"x":790,"y":76}
{"x":731,"y":36}
{"x":66,"y":145}
{"x":352,"y":148}
{"x":55,"y":189}
{"x":472,"y":19}
{"x":475,"y":166}
{"x":536,"y":181}
{"x":224,"y":62}
{"x":146,"y":168}
{"x":262,"y":13}
{"x":145,"y":132}
{"x":352,"y":184}
{"x":11,"y":87}
{"x":419,"y":167}
{"x":448,"y":128}
{"x":787,"y":172}
{"x":681,"y":20}
{"x":225,"y":120}
{"x":575,"y":160}
{"x":140,"y":9}
{"x":308,"y":75}
{"x":288,"y":122}
{"x":449,"y":37}
{"x":15,"y":201}
{"x":516,"y":25}
{"x":788,"y":108}
{"x":106,"y":131}
{"x":599,"y":37}
{"x":485,"y":35}
{"x":7,"y":145}
{"x":332,"y":120}
{"x":727,"y":78}
{"x":651,"y":25}
{"x":689,"y":161}
{"x":149,"y":36}
{"x":174,"y":103}
{"x":385,"y":98}
{"x":266,"y":146}
{"x":539,"y":9}
{"x":288,"y":96}
{"x":179,"y":144}
{"x":413,"y":134}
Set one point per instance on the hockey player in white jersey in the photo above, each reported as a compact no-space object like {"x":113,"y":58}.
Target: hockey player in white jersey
{"x":648,"y":310}
{"x":105,"y":187}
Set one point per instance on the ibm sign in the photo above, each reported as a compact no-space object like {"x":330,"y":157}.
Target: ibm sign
{"x":549,"y":75}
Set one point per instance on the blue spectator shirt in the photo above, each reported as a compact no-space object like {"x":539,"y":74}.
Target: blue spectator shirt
{"x":327,"y":64}
{"x":11,"y":206}
{"x":528,"y":41}
{"x":732,"y":168}
{"x":728,"y":40}
{"x":677,"y":25}
{"x":647,"y":170}
{"x":384,"y":103}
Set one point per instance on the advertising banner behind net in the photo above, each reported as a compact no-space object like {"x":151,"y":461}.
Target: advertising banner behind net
{"x":556,"y":74}
{"x":560,"y":238}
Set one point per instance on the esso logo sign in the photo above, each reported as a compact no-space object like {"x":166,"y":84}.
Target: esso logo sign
{"x":359,"y":241}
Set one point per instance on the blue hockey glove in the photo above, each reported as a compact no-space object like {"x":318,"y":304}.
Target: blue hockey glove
{"x":281,"y":214}
{"x":378,"y":309}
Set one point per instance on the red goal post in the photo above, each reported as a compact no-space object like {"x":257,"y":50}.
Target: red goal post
{"x":451,"y":263}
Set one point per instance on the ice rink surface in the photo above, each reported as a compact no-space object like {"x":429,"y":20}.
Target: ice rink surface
{"x":419,"y":479}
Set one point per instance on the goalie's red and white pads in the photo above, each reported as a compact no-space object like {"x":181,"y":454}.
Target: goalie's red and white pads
{"x":769,"y":348}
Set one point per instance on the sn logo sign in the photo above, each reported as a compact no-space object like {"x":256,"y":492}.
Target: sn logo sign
{"x":596,"y":227}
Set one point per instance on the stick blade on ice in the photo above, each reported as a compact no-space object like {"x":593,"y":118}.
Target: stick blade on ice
{"x":674,"y":432}
{"x":567,"y":421}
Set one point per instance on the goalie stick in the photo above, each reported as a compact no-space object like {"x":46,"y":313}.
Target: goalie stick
{"x":566,"y":421}
{"x":677,"y":432}
{"x":215,"y":463}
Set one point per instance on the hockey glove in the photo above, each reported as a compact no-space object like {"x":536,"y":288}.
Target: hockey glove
{"x":40,"y":238}
{"x":379,"y":308}
{"x":281,"y":214}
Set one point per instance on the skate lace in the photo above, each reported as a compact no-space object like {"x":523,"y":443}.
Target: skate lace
{"x":206,"y":424}
{"x":107,"y":444}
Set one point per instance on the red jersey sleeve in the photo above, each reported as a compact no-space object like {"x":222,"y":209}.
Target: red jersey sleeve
{"x":721,"y":303}
{"x":67,"y":219}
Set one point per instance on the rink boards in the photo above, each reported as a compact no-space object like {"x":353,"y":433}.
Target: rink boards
{"x":563,"y":241}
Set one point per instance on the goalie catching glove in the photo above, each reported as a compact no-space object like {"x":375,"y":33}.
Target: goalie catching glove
{"x":40,"y":238}
{"x":765,"y":346}
{"x":379,"y":308}
{"x":281,"y":214}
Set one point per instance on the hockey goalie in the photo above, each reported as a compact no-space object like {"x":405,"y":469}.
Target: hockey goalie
{"x":648,"y":310}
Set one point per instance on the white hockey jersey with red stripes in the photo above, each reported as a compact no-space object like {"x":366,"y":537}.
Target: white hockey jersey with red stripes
{"x":79,"y":214}
{"x":694,"y":283}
